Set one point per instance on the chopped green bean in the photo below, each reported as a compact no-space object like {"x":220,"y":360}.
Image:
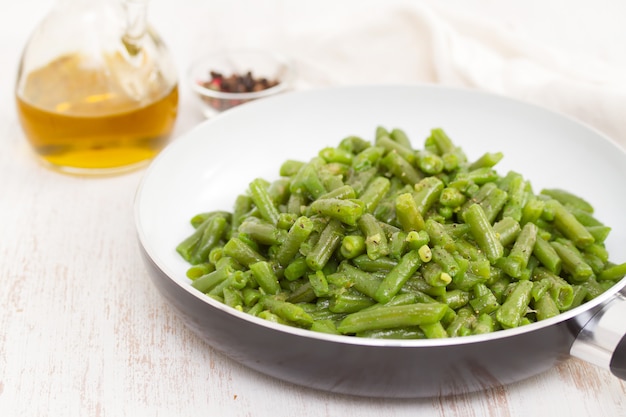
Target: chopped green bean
{"x":382,"y":240}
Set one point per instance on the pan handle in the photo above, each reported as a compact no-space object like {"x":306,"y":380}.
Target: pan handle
{"x":602,"y":341}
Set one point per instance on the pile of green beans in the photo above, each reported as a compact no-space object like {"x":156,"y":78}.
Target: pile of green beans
{"x":378,"y":239}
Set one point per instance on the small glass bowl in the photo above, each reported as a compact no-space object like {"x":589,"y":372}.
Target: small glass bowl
{"x":260,"y":63}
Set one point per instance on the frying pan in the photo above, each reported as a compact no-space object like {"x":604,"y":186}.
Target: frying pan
{"x":208,"y":167}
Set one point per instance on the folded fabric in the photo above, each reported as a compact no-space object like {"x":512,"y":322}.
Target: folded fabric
{"x":414,"y":43}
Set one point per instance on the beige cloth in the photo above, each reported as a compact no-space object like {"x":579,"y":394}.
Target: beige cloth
{"x":416,"y":43}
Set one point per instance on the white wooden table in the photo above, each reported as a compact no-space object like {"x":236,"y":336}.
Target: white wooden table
{"x":84,"y":333}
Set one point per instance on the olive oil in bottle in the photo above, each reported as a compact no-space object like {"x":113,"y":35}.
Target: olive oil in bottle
{"x":77,"y":117}
{"x":96,"y":90}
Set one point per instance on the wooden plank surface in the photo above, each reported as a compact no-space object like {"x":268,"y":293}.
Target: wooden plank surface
{"x":84,"y":333}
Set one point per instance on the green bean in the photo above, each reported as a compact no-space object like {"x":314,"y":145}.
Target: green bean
{"x":467,"y":280}
{"x":265,"y":277}
{"x":430,"y":163}
{"x":452,"y":197}
{"x":517,"y":260}
{"x":442,"y":141}
{"x":368,"y":158}
{"x":599,"y":233}
{"x":196,"y":271}
{"x":290,"y":168}
{"x":278,"y":191}
{"x":416,"y":240}
{"x":263,"y":201}
{"x":354,"y":144}
{"x":482,"y":175}
{"x":407,"y":333}
{"x":593,"y":287}
{"x":303,"y":293}
{"x":462,"y":323}
{"x":261,"y":232}
{"x":233,"y":298}
{"x":347,"y":211}
{"x":298,"y":233}
{"x":236,"y":280}
{"x":375,"y":239}
{"x":207,"y":282}
{"x":330,"y":154}
{"x":401,"y":168}
{"x":397,"y":244}
{"x":425,"y":253}
{"x":324,"y":326}
{"x":499,"y":286}
{"x":398,"y":300}
{"x":392,"y":146}
{"x":367,"y":264}
{"x":271,"y":317}
{"x":483,"y":233}
{"x":516,"y":198}
{"x":434,"y":275}
{"x":613,"y":272}
{"x":381,"y":131}
{"x":494,"y":203}
{"x":364,"y":282}
{"x":546,"y":307}
{"x":332,"y":176}
{"x":287,"y":311}
{"x":427,"y":193}
{"x":485,"y":302}
{"x":598,"y":250}
{"x":585,"y":218}
{"x":455,"y":298}
{"x":572,"y":262}
{"x":296,"y":203}
{"x":445,"y":259}
{"x":392,"y":317}
{"x":487,"y":160}
{"x":330,"y":239}
{"x":297,"y":268}
{"x":188,"y":245}
{"x":241,"y":252}
{"x":417,"y":284}
{"x":515,"y":306}
{"x":401,"y":137}
{"x":540,"y":288}
{"x":319,"y":283}
{"x":243,"y":205}
{"x":451,"y":161}
{"x":567,"y":224}
{"x":343,"y":192}
{"x":434,"y":330}
{"x":566,"y":198}
{"x":352,"y":246}
{"x":438,"y":234}
{"x":374,"y":193}
{"x":408,"y":213}
{"x":484,"y":324}
{"x":546,"y":254}
{"x":561,"y":291}
{"x":579,"y":295}
{"x":250,"y":296}
{"x":349,"y":302}
{"x":532,"y":210}
{"x":396,"y":278}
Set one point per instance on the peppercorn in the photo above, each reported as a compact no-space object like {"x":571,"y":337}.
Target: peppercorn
{"x":233,"y":83}
{"x":237,"y":83}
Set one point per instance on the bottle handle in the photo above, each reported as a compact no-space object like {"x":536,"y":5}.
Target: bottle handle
{"x":136,"y":24}
{"x":602,"y":340}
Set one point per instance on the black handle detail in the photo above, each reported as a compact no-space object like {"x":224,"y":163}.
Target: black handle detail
{"x":618,"y":360}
